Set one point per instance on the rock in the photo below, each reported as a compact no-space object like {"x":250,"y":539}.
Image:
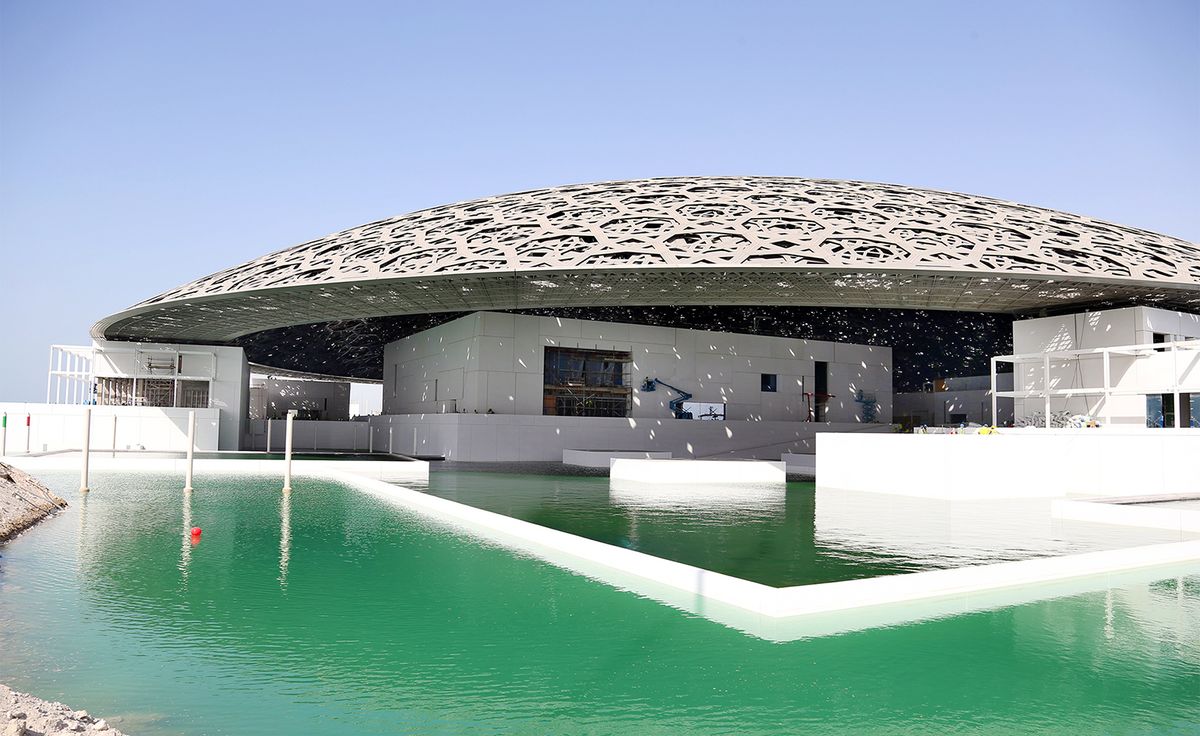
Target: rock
{"x":23,"y":501}
{"x":26,"y":715}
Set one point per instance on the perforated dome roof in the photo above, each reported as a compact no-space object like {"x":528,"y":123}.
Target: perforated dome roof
{"x":687,"y":240}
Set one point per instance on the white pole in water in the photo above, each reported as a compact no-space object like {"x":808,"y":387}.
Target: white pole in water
{"x":287,"y":452}
{"x":4,"y":435}
{"x":370,"y":437}
{"x":87,"y":449}
{"x":389,"y":439}
{"x":191,"y":450}
{"x":28,"y":430}
{"x":114,"y":436}
{"x":268,"y":435}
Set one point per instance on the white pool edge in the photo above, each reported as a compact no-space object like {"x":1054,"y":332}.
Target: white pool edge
{"x":761,"y":609}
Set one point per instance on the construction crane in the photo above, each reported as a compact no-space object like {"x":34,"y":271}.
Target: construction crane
{"x":676,"y":404}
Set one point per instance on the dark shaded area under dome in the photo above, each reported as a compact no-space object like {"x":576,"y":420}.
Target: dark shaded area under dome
{"x":925,"y":344}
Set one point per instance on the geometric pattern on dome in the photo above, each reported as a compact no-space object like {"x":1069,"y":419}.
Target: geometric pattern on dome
{"x":778,"y":239}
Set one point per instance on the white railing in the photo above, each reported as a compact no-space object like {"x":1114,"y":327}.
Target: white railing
{"x":1137,"y":352}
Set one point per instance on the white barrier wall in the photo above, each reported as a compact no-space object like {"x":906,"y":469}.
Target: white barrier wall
{"x":967,"y":399}
{"x":505,"y":437}
{"x":60,"y":427}
{"x":275,"y":397}
{"x":1013,"y":464}
{"x":310,"y":434}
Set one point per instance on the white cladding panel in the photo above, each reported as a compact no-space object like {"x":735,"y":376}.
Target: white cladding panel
{"x":500,"y":360}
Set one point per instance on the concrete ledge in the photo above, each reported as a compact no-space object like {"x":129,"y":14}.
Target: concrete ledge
{"x":604,"y":458}
{"x":379,"y":469}
{"x":688,"y":472}
{"x":799,"y":464}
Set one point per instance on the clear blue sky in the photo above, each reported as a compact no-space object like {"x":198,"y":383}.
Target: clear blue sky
{"x":143,"y":144}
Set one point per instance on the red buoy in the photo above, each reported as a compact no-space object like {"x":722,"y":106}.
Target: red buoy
{"x":195,"y":531}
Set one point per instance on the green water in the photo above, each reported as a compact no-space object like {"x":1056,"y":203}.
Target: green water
{"x":338,"y":614}
{"x":791,"y":536}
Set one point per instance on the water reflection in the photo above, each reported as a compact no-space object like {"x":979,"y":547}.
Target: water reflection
{"x":940,"y":533}
{"x":409,"y":625}
{"x":285,"y":535}
{"x":712,"y":498}
{"x":81,"y":509}
{"x":185,"y":549}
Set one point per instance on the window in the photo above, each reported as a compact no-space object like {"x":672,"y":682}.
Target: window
{"x":1160,"y":410}
{"x":770,"y":382}
{"x":193,"y":394}
{"x":586,"y":383}
{"x":1158,"y":338}
{"x":705,"y":410}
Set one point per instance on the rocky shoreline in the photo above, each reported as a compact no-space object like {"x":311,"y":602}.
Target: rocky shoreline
{"x":24,"y":501}
{"x":22,"y":714}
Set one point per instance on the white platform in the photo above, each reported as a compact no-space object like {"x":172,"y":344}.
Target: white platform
{"x":1013,"y":464}
{"x":604,"y":458}
{"x":692,"y":472}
